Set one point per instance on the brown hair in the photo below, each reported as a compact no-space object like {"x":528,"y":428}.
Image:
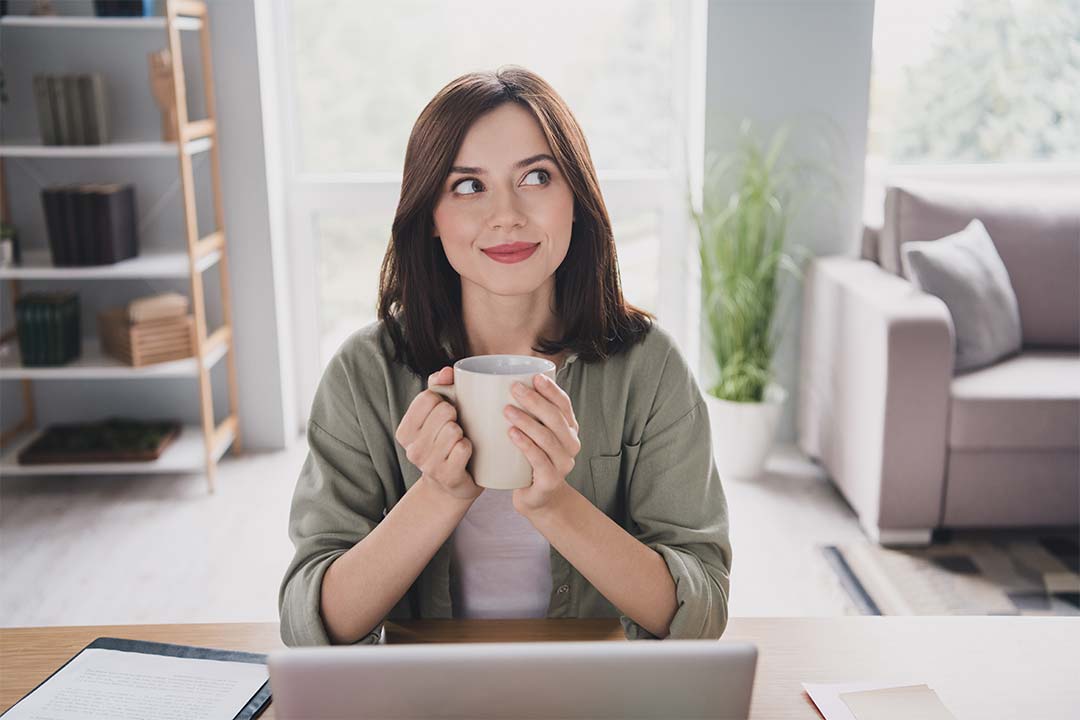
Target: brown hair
{"x":420,"y":292}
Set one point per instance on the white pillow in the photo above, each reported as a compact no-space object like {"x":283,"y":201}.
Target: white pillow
{"x":966,"y":272}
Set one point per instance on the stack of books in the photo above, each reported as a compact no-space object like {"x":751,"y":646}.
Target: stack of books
{"x":47,"y":325}
{"x":90,"y":224}
{"x":124,"y":8}
{"x":149,"y":330}
{"x":71,"y":109}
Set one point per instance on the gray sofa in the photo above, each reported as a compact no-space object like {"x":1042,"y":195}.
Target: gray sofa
{"x":910,"y":444}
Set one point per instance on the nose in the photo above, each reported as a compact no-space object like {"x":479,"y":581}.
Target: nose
{"x":506,"y":214}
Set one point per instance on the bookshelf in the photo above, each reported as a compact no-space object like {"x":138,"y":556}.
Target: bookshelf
{"x":201,"y":445}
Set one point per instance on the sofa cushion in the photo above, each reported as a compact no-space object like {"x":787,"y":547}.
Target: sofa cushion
{"x":1036,"y":233}
{"x":966,"y":272}
{"x":1031,"y":401}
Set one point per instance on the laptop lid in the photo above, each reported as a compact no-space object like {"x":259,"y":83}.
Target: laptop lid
{"x":671,"y":679}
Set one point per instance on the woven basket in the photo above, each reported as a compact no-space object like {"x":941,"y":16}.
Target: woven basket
{"x":146,"y":343}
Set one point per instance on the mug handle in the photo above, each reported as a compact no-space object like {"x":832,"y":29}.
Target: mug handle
{"x":447,"y":391}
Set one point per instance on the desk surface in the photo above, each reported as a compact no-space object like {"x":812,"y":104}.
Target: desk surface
{"x":981,"y":667}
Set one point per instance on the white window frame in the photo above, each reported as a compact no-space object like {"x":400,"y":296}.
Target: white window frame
{"x":308,"y":194}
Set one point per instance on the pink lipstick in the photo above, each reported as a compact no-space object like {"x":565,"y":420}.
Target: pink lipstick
{"x":511,"y":252}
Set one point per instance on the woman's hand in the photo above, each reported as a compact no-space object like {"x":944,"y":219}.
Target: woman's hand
{"x":550,"y":442}
{"x":435,"y":443}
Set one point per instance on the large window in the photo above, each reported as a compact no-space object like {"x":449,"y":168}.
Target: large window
{"x":988,"y":83}
{"x":358,"y":74}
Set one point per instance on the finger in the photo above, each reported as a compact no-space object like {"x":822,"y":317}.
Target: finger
{"x":460,"y":454}
{"x":442,"y":376}
{"x":418,"y":449}
{"x":444,"y":442}
{"x":537,"y":458}
{"x":539,"y":406}
{"x":414,"y":417}
{"x":551,"y":390}
{"x":544,"y":438}
{"x":442,"y":414}
{"x":551,"y":417}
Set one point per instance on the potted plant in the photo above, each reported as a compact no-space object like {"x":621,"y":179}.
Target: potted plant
{"x":742,"y":228}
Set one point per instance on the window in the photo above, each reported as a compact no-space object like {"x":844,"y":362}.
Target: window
{"x":356,"y":76}
{"x":973,"y":82}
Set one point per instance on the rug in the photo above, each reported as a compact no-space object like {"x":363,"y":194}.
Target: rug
{"x":964,"y":573}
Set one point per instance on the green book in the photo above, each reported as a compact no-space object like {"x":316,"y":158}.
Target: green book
{"x":34,"y":320}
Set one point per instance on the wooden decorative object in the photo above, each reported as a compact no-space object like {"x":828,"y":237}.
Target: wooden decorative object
{"x":161,"y":85}
{"x":42,"y":8}
{"x":145,"y":343}
{"x":113,"y":440}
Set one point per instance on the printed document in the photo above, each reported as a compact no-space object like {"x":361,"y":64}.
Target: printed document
{"x":100,"y":684}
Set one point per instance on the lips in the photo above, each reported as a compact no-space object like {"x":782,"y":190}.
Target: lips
{"x":511,"y":252}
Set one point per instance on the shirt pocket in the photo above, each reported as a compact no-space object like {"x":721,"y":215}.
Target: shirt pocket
{"x":610,"y":475}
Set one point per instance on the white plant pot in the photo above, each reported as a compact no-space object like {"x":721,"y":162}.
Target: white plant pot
{"x":743,"y":432}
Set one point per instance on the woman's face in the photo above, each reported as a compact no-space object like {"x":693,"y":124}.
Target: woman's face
{"x":490,"y":204}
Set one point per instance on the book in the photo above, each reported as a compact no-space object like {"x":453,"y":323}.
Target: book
{"x":44,"y":110}
{"x":54,"y":220}
{"x":58,"y":103}
{"x":85,"y":202}
{"x":156,"y":307}
{"x":69,"y":220}
{"x":48,"y":328}
{"x":117,"y":234}
{"x":73,"y":106}
{"x":92,"y":104}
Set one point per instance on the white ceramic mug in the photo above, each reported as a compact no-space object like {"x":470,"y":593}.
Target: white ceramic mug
{"x":480,"y":391}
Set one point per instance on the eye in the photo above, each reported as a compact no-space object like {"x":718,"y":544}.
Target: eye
{"x":464,"y":182}
{"x":545,"y":173}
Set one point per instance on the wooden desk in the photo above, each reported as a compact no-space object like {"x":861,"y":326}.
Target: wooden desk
{"x":981,"y":667}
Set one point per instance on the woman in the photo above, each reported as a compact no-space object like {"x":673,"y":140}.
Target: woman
{"x":502,"y":245}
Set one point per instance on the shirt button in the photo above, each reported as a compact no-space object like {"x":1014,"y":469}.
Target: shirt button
{"x":563,"y":588}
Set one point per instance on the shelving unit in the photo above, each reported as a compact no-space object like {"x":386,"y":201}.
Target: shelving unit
{"x":200,"y":446}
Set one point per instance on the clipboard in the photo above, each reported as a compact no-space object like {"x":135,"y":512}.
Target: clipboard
{"x":254,"y":707}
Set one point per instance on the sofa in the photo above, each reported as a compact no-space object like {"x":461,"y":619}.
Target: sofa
{"x":911,"y":444}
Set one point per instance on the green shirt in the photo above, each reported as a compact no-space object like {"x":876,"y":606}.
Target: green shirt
{"x":646,"y":461}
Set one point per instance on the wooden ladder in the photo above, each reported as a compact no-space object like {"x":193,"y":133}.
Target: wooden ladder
{"x":198,"y":248}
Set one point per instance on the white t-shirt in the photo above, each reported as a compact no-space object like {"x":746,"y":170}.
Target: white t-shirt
{"x":500,"y":565}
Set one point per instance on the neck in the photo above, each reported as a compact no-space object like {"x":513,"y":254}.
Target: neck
{"x":508,"y":324}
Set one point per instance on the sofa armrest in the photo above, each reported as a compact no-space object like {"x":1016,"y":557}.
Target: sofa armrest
{"x":876,"y":366}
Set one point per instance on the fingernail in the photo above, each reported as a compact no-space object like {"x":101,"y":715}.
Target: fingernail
{"x":518,"y":389}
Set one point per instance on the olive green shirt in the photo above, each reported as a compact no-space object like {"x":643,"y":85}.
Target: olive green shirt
{"x":646,"y":461}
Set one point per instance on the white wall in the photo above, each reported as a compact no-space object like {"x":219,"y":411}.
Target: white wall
{"x":257,"y":271}
{"x":805,"y":62}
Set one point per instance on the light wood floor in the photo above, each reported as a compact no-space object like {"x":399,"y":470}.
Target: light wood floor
{"x":118,"y":550}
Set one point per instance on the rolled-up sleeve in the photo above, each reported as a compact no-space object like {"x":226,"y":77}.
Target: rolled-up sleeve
{"x":338,"y":500}
{"x":679,"y":509}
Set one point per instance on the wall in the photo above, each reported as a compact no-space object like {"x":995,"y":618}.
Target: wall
{"x":805,"y":63}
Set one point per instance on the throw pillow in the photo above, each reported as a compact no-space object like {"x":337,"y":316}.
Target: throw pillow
{"x":965,"y":270}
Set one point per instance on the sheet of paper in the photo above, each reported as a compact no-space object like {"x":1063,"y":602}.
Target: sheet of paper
{"x":827,"y":695}
{"x":100,"y":684}
{"x":898,"y":703}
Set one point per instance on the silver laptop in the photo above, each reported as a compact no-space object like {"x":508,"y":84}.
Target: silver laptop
{"x":670,"y":679}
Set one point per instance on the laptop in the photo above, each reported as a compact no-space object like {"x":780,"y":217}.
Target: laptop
{"x":670,"y":679}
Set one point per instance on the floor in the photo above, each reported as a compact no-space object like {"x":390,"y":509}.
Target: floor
{"x":120,"y":550}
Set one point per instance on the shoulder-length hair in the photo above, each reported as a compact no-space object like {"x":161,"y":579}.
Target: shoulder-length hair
{"x":420,"y":292}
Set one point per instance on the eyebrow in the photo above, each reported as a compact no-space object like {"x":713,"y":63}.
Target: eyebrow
{"x":518,"y":164}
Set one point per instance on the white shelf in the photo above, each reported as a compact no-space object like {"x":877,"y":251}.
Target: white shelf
{"x":143,"y":149}
{"x":94,"y":364}
{"x":86,"y":22}
{"x":37,"y":265}
{"x":185,"y":454}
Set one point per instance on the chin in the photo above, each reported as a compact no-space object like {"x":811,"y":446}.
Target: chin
{"x":509,"y":286}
